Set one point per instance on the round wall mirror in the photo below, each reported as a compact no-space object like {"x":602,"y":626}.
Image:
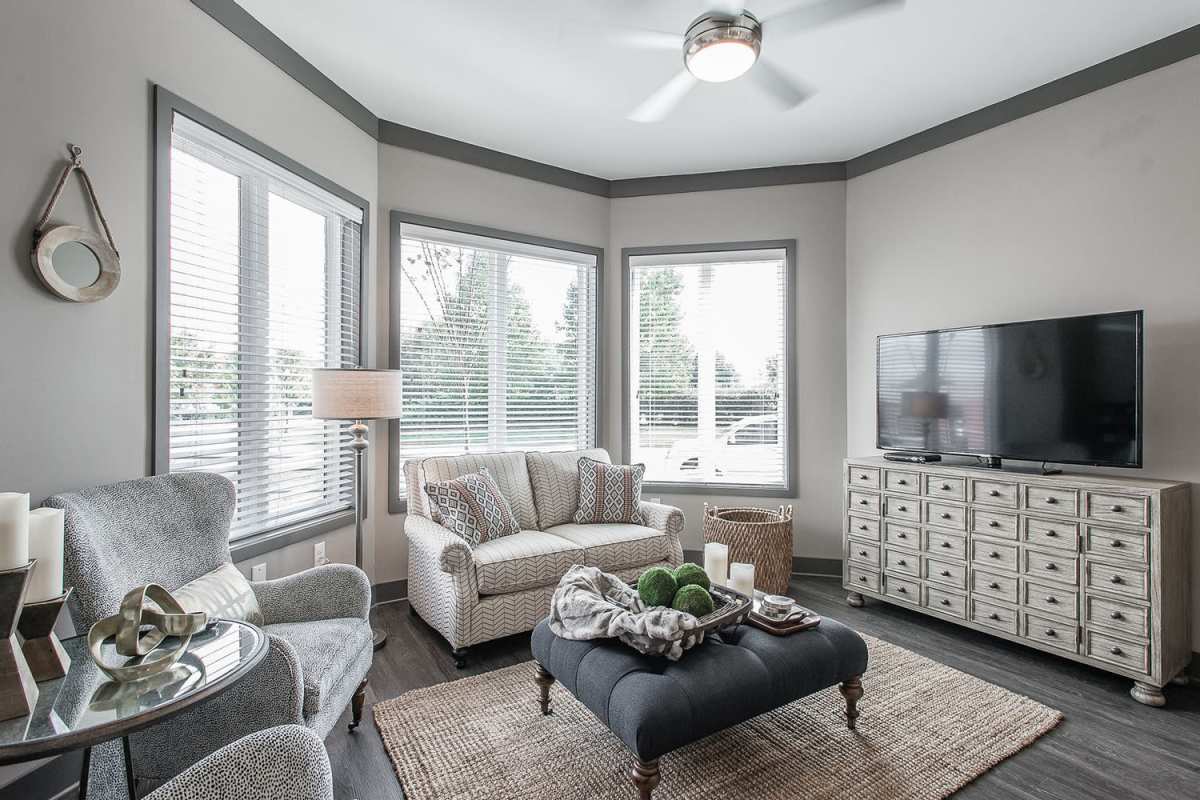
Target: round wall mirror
{"x":76,"y":264}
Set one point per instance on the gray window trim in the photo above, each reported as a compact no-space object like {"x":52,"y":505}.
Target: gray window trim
{"x":166,"y":104}
{"x":793,"y":447}
{"x":396,"y":503}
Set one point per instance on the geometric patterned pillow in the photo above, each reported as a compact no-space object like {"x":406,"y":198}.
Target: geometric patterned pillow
{"x":472,"y":507}
{"x":609,"y":492}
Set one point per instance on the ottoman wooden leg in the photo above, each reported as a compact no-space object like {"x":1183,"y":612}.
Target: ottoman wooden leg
{"x":544,"y":681}
{"x":645,"y":777}
{"x":852,"y":690}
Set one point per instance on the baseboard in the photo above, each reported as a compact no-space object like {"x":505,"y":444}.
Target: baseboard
{"x":57,"y":778}
{"x":389,"y":592}
{"x":801,"y":565}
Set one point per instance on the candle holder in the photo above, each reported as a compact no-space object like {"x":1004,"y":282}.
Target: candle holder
{"x":18,"y":689}
{"x":43,"y":651}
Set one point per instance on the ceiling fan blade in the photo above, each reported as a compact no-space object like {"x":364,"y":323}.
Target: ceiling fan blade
{"x":664,"y":99}
{"x":786,"y":92}
{"x":645,"y":39}
{"x":813,"y":15}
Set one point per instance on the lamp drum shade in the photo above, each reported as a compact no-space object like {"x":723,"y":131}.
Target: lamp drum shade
{"x":356,"y":393}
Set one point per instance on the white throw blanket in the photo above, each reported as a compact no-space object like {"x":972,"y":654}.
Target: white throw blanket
{"x":590,"y":604}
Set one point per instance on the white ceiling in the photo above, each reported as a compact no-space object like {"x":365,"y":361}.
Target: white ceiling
{"x":535,"y":78}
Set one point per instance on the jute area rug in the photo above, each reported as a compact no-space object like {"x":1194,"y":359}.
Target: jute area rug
{"x":925,"y":731}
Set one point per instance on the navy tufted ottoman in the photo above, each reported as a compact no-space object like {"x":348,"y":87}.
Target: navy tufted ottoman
{"x":655,"y":706}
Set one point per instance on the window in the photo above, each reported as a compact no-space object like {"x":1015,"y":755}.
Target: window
{"x":496,"y":339}
{"x":262,"y":283}
{"x":708,"y":371}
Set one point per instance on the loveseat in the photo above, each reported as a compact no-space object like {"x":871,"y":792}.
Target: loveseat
{"x":504,"y":586}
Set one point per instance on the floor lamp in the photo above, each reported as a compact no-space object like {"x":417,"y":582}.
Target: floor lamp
{"x":357,"y":395}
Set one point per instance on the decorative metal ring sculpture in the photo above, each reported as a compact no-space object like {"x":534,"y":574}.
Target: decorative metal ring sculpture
{"x":150,"y":605}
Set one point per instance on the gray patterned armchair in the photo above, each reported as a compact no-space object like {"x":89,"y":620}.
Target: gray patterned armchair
{"x":171,"y":529}
{"x":504,"y":586}
{"x":284,"y":763}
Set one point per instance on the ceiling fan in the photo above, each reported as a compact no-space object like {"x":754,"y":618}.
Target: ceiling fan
{"x":726,"y":42}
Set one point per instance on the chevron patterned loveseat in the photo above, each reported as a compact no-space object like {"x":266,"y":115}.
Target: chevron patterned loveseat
{"x":504,"y":586}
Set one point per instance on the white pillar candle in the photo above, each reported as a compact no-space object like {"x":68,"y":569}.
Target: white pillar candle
{"x":741,"y":578}
{"x":14,"y":530}
{"x":46,"y":545}
{"x":716,"y":563}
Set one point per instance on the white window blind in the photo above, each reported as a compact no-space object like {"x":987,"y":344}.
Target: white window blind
{"x":707,"y":367}
{"x":264,"y":287}
{"x":497,"y":344}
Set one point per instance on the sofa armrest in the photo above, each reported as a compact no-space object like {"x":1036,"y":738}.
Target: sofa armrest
{"x":670,"y":521}
{"x":288,"y":762}
{"x":451,"y":553}
{"x":330,"y":591}
{"x":442,"y":586}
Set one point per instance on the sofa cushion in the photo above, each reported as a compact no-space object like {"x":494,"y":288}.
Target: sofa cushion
{"x":324,"y":648}
{"x":614,"y":545}
{"x":524,"y":560}
{"x":507,"y":470}
{"x":555,"y":480}
{"x":609,"y":492}
{"x":472,"y":507}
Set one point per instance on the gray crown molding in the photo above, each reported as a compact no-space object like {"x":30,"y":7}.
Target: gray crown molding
{"x":1165,"y":51}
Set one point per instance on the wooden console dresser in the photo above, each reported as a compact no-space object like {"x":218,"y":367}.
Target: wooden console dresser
{"x":1094,"y":568}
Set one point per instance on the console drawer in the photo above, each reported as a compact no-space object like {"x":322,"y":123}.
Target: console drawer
{"x":994,"y":615}
{"x":946,"y":515}
{"x":994,"y":555}
{"x":1127,"y":581}
{"x":865,"y":477}
{"x":1122,"y":652}
{"x":1055,"y":533}
{"x":1059,"y":635}
{"x":863,"y":502}
{"x":902,"y":562}
{"x":1054,"y":501}
{"x":944,"y":487}
{"x":1051,"y":599}
{"x":895,"y":480}
{"x":1117,"y":615}
{"x":945,"y":545}
{"x":902,"y":508}
{"x":901,"y":588}
{"x":864,"y":579}
{"x":862,"y":527}
{"x":863,"y":553}
{"x":902,"y":535}
{"x":994,"y":493}
{"x":946,"y":602}
{"x":1000,"y":587}
{"x":1130,"y":509}
{"x":993,"y":523}
{"x":1113,"y":543}
{"x":945,"y":572}
{"x":1051,"y":566}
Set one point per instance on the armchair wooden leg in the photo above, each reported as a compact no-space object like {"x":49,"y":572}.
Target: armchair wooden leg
{"x":852,"y":690}
{"x":544,"y":681}
{"x":645,"y":777}
{"x":356,"y":704}
{"x":460,"y":657}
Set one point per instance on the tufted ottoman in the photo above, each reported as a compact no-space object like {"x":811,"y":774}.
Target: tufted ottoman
{"x":655,"y":706}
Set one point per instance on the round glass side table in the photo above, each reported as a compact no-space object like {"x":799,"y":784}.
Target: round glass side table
{"x":86,"y":708}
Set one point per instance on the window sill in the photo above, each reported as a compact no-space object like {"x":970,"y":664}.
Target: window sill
{"x":720,"y":489}
{"x":266,"y":542}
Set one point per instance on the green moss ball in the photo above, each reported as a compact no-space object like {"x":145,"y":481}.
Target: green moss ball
{"x":692,"y":575}
{"x":694,"y":600}
{"x":657,"y":586}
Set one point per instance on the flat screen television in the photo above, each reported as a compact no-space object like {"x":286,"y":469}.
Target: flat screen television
{"x":1066,"y":390}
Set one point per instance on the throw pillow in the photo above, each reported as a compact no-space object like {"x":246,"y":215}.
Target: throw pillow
{"x":472,"y":507}
{"x":609,"y":492}
{"x":224,"y":593}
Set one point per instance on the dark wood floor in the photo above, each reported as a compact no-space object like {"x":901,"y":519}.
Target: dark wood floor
{"x":1108,"y":746}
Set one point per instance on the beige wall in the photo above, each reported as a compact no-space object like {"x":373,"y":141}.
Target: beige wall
{"x":814,"y":215}
{"x":1093,"y":205}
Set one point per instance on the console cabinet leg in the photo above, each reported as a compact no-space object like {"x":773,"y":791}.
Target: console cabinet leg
{"x":1147,"y":695}
{"x":855,"y":599}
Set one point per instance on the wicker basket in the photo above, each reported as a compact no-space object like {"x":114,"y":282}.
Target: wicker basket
{"x":758,"y":536}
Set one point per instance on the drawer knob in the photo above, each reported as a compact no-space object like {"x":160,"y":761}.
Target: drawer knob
{"x":1115,"y":543}
{"x":945,"y":487}
{"x":993,"y":585}
{"x":993,"y":524}
{"x":1050,"y":632}
{"x":902,"y":482}
{"x":1115,"y":509}
{"x":1051,"y":599}
{"x":1050,"y":565}
{"x":862,"y":578}
{"x":862,"y":477}
{"x":1115,"y":579}
{"x":945,"y":515}
{"x":994,"y":493}
{"x":902,"y":562}
{"x":862,"y":527}
{"x":993,"y":615}
{"x":1116,"y":651}
{"x":902,"y":508}
{"x":1117,"y":615}
{"x":945,"y":544}
{"x":945,"y":573}
{"x":945,"y":602}
{"x":1051,"y":501}
{"x":901,"y":590}
{"x":1051,"y":532}
{"x":863,"y":502}
{"x":902,"y":535}
{"x":993,"y":554}
{"x":862,"y":552}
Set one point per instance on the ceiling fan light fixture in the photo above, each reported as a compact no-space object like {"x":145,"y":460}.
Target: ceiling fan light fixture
{"x":719,"y":47}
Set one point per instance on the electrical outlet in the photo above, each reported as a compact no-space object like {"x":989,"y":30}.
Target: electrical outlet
{"x":319,"y":554}
{"x":258,"y":572}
